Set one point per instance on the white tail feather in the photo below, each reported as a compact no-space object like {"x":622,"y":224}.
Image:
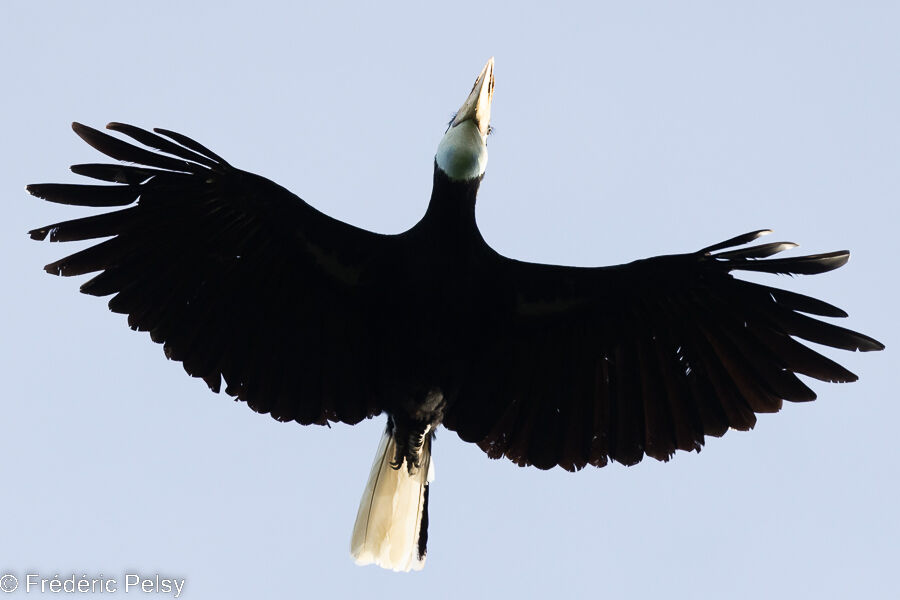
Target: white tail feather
{"x":390,"y":512}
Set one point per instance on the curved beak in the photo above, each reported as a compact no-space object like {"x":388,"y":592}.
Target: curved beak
{"x":477,"y":106}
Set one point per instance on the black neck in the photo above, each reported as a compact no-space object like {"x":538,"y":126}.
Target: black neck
{"x":452,"y":202}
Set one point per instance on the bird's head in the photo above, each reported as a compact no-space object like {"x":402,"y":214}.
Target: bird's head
{"x":462,"y":153}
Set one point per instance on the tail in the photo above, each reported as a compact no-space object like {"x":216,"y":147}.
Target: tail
{"x":391,"y":527}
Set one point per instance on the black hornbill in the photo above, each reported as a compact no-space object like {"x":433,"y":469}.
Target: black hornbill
{"x":313,"y":320}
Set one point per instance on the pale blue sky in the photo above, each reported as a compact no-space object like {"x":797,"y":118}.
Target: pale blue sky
{"x":622,"y":130}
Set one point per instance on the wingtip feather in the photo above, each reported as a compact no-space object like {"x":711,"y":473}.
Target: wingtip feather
{"x":738,"y":240}
{"x":39,"y":234}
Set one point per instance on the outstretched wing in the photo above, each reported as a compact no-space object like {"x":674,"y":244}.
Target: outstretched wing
{"x":239,"y":279}
{"x":646,"y":358}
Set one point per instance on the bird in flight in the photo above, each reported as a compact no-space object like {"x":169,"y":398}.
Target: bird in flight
{"x":313,"y":320}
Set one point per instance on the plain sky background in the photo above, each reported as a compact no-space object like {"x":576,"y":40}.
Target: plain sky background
{"x":622,"y":130}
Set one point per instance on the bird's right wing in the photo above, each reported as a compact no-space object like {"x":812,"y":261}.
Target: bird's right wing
{"x":240,"y":279}
{"x":614,"y":363}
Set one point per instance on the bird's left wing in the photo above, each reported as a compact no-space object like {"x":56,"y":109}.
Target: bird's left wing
{"x":599,"y":364}
{"x":241,"y":280}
